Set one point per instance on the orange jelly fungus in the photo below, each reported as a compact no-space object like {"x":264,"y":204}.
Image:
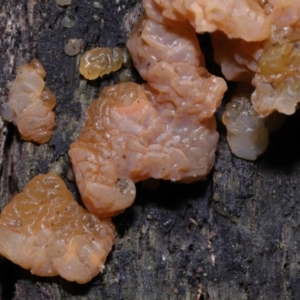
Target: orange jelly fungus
{"x":43,"y":229}
{"x":30,"y":104}
{"x":127,"y":138}
{"x":100,"y":61}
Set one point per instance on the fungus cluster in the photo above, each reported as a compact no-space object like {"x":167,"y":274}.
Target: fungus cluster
{"x":163,"y":129}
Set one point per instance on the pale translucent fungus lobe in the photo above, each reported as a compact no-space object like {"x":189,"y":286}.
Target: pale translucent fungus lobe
{"x":128,"y":138}
{"x":63,"y":2}
{"x":43,"y":229}
{"x":73,"y":46}
{"x":125,"y":76}
{"x":247,"y":133}
{"x":30,"y":104}
{"x":67,"y":22}
{"x":100,"y":61}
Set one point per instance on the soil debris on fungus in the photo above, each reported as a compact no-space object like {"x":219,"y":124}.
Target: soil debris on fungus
{"x":100,"y":61}
{"x":43,"y":229}
{"x":128,"y":138}
{"x":30,"y":104}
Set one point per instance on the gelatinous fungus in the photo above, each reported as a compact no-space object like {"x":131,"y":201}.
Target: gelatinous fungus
{"x":73,"y":46}
{"x":277,"y":78}
{"x":168,"y":56}
{"x":247,"y":133}
{"x":43,"y":229}
{"x":246,"y":19}
{"x":30,"y":104}
{"x":127,"y":138}
{"x":100,"y":61}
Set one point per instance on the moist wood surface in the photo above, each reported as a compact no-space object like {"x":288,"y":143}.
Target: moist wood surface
{"x":234,"y":236}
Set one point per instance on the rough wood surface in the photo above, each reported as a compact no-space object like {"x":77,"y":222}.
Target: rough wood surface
{"x":234,"y":236}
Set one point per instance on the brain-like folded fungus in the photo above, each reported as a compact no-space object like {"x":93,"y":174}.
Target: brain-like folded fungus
{"x":277,"y":77}
{"x":246,"y":19}
{"x":238,"y":59}
{"x":30,"y":104}
{"x":169,"y":58}
{"x":272,"y":65}
{"x":43,"y":229}
{"x":100,"y":61}
{"x":126,"y":139}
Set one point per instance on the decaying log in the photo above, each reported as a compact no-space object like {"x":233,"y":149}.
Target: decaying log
{"x":234,"y":236}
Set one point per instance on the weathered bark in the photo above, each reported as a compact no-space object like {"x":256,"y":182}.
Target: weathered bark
{"x":234,"y":236}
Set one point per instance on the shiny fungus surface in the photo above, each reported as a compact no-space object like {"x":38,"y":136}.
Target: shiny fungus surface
{"x":128,"y":138}
{"x":43,"y":229}
{"x":100,"y":61}
{"x":30,"y":104}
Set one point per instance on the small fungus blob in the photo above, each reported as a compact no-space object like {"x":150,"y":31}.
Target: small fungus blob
{"x":127,"y":61}
{"x":100,"y":61}
{"x":30,"y":104}
{"x":43,"y":229}
{"x":97,"y":5}
{"x":73,"y":46}
{"x":125,"y":76}
{"x":63,"y":2}
{"x":247,"y":133}
{"x":67,"y":22}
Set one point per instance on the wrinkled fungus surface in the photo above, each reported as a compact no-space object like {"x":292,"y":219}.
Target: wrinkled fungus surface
{"x":100,"y":61}
{"x":272,"y":64}
{"x":127,"y":138}
{"x":238,"y":59}
{"x":277,"y":79}
{"x":43,"y":229}
{"x":30,"y":104}
{"x":169,"y":58}
{"x":246,"y":19}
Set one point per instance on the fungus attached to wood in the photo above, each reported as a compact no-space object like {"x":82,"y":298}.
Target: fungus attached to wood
{"x":30,"y":104}
{"x":100,"y":61}
{"x":128,"y":138}
{"x":43,"y":229}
